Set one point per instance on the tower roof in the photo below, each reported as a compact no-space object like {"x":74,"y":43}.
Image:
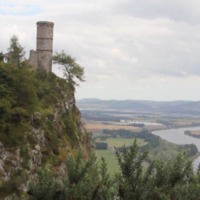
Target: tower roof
{"x":45,"y":23}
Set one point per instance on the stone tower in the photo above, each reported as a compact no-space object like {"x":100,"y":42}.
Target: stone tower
{"x":42,"y":57}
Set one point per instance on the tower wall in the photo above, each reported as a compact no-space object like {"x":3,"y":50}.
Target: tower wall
{"x":44,"y":45}
{"x":33,"y":59}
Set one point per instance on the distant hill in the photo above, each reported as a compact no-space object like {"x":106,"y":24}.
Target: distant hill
{"x":142,"y":106}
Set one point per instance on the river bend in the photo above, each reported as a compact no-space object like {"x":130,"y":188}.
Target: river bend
{"x":177,"y":136}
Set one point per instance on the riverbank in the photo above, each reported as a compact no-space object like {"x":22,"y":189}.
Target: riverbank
{"x":178,"y":136}
{"x":195,"y":133}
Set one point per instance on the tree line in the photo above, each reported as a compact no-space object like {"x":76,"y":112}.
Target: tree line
{"x":89,"y":180}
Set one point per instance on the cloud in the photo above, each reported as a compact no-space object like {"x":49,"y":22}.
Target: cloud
{"x":118,"y":42}
{"x":177,"y":10}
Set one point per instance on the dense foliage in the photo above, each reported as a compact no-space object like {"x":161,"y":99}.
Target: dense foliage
{"x":25,"y":93}
{"x":172,"y":180}
{"x":38,"y":115}
{"x":15,"y":51}
{"x":84,"y":180}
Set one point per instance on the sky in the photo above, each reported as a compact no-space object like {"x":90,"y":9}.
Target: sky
{"x":130,"y":49}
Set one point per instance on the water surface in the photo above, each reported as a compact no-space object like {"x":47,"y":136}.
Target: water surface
{"x":177,"y":136}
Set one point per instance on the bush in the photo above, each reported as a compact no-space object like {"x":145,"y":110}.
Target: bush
{"x":45,"y":186}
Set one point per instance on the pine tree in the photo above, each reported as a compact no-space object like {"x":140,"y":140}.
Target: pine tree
{"x":16,"y":51}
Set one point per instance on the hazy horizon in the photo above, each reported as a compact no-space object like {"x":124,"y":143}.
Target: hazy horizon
{"x":93,"y":98}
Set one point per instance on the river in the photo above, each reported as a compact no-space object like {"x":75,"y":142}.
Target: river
{"x":177,"y":136}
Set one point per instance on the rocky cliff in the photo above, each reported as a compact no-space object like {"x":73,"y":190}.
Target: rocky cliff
{"x":39,"y":124}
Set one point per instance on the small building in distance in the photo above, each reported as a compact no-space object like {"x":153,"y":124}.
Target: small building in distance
{"x":101,"y":145}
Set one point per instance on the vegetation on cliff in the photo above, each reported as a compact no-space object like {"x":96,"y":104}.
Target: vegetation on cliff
{"x":37,"y":99}
{"x":39,"y":122}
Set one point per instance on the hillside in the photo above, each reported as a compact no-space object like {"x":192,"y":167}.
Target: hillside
{"x":141,"y":106}
{"x":39,"y":124}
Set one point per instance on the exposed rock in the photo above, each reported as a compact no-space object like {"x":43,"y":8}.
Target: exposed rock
{"x":30,"y":157}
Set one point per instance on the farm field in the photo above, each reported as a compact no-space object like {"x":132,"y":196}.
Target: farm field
{"x":159,"y":149}
{"x":193,"y":133}
{"x":99,"y":126}
{"x":110,"y":158}
{"x":97,"y":119}
{"x":119,"y":142}
{"x":196,"y":132}
{"x":109,"y":155}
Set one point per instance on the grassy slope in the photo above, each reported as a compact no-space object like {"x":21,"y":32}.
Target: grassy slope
{"x":164,"y":151}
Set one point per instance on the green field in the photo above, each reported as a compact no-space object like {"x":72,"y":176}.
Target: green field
{"x":110,"y":159}
{"x":164,"y":151}
{"x":109,"y":154}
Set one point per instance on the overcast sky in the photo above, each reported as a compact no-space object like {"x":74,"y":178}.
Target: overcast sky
{"x":130,"y":49}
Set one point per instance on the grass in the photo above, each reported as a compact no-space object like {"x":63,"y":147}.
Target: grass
{"x":110,"y":159}
{"x":165,"y":151}
{"x":109,"y":154}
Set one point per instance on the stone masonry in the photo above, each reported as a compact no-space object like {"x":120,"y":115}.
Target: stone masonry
{"x":42,"y":57}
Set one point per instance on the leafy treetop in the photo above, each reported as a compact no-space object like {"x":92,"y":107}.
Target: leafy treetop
{"x":71,"y":69}
{"x":16,"y":51}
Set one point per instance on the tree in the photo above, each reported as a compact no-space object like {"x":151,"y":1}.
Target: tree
{"x":16,"y":51}
{"x":105,"y":187}
{"x":84,"y":180}
{"x":131,"y":178}
{"x":79,"y":183}
{"x":71,"y":69}
{"x":171,"y":180}
{"x":1,"y":57}
{"x":45,"y":186}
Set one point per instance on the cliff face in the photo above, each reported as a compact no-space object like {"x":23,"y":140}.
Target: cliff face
{"x":39,"y":124}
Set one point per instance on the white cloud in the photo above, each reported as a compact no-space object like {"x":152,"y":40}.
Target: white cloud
{"x":177,"y":10}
